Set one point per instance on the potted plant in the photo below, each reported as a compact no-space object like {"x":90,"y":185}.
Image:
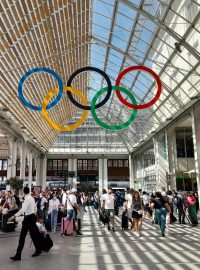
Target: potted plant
{"x":15,"y":183}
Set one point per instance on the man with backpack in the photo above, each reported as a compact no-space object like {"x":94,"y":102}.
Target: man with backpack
{"x":180,"y":204}
{"x":41,"y":205}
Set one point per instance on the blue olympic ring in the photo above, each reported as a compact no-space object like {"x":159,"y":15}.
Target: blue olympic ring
{"x":26,"y":75}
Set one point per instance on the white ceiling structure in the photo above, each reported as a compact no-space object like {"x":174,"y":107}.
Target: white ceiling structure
{"x":65,"y":35}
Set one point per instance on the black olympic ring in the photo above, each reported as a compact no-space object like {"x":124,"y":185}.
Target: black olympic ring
{"x":98,"y":71}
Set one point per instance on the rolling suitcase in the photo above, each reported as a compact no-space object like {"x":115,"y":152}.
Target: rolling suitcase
{"x":66,"y":226}
{"x":124,"y":220}
{"x":47,"y":243}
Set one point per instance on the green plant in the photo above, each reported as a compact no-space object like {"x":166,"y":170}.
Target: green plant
{"x":15,"y":183}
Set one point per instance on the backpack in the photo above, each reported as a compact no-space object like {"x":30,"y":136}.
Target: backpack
{"x":39,"y":203}
{"x":159,"y":203}
{"x":178,"y":201}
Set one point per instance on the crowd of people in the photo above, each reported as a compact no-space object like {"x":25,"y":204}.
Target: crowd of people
{"x":161,"y":209}
{"x":45,"y":211}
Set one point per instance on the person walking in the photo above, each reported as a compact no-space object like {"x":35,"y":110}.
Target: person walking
{"x":108,"y":205}
{"x":29,"y":224}
{"x":54,"y":204}
{"x":129,"y":201}
{"x":159,"y":203}
{"x":137,"y":207}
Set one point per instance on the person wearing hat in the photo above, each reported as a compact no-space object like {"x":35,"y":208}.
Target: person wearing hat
{"x":72,"y":207}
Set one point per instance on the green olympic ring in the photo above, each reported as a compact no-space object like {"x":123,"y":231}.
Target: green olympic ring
{"x":99,"y":122}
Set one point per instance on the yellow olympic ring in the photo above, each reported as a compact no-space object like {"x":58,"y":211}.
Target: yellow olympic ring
{"x":50,"y":122}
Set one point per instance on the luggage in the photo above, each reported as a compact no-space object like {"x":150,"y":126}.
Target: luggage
{"x":103,"y":217}
{"x":66,"y":226}
{"x":191,"y":221}
{"x":7,"y":226}
{"x":46,"y":243}
{"x":124,"y":220}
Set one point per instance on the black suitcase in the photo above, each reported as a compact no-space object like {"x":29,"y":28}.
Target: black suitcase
{"x":124,"y":220}
{"x":8,"y":226}
{"x":103,"y":217}
{"x":45,"y":242}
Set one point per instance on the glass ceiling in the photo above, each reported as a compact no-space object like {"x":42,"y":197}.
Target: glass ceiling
{"x":163,"y":35}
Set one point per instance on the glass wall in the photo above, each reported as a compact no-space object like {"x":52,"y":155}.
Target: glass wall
{"x":184,"y":143}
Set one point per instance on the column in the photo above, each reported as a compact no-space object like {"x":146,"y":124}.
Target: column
{"x":11,"y":172}
{"x":161,"y":163}
{"x":103,"y":174}
{"x":196,"y":141}
{"x":72,"y":167}
{"x":30,"y":166}
{"x":22,"y":149}
{"x":38,"y":171}
{"x":131,"y":173}
{"x":172,"y":159}
{"x":43,"y":172}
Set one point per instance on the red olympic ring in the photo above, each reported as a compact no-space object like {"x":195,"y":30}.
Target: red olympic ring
{"x":141,"y":106}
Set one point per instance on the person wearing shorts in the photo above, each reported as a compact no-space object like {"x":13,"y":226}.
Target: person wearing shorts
{"x":108,"y":205}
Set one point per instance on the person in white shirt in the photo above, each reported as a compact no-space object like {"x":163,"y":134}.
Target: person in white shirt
{"x":145,"y":200}
{"x":72,"y":208}
{"x":129,"y":202}
{"x":29,"y":224}
{"x":108,"y":205}
{"x":54,"y":204}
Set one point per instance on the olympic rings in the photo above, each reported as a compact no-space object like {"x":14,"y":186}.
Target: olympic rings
{"x":59,"y":91}
{"x":26,"y":75}
{"x":98,"y":71}
{"x":50,"y":122}
{"x":141,"y":106}
{"x":99,"y":122}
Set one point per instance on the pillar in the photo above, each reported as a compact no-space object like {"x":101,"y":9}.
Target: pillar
{"x":22,"y":149}
{"x":38,"y":171}
{"x":131,"y":172}
{"x":11,"y":172}
{"x":72,"y":167}
{"x":172,"y":159}
{"x":30,"y":166}
{"x":196,"y":141}
{"x":103,"y":174}
{"x":43,"y":172}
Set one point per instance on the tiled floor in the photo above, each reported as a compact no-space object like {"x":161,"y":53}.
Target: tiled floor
{"x":100,"y":249}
